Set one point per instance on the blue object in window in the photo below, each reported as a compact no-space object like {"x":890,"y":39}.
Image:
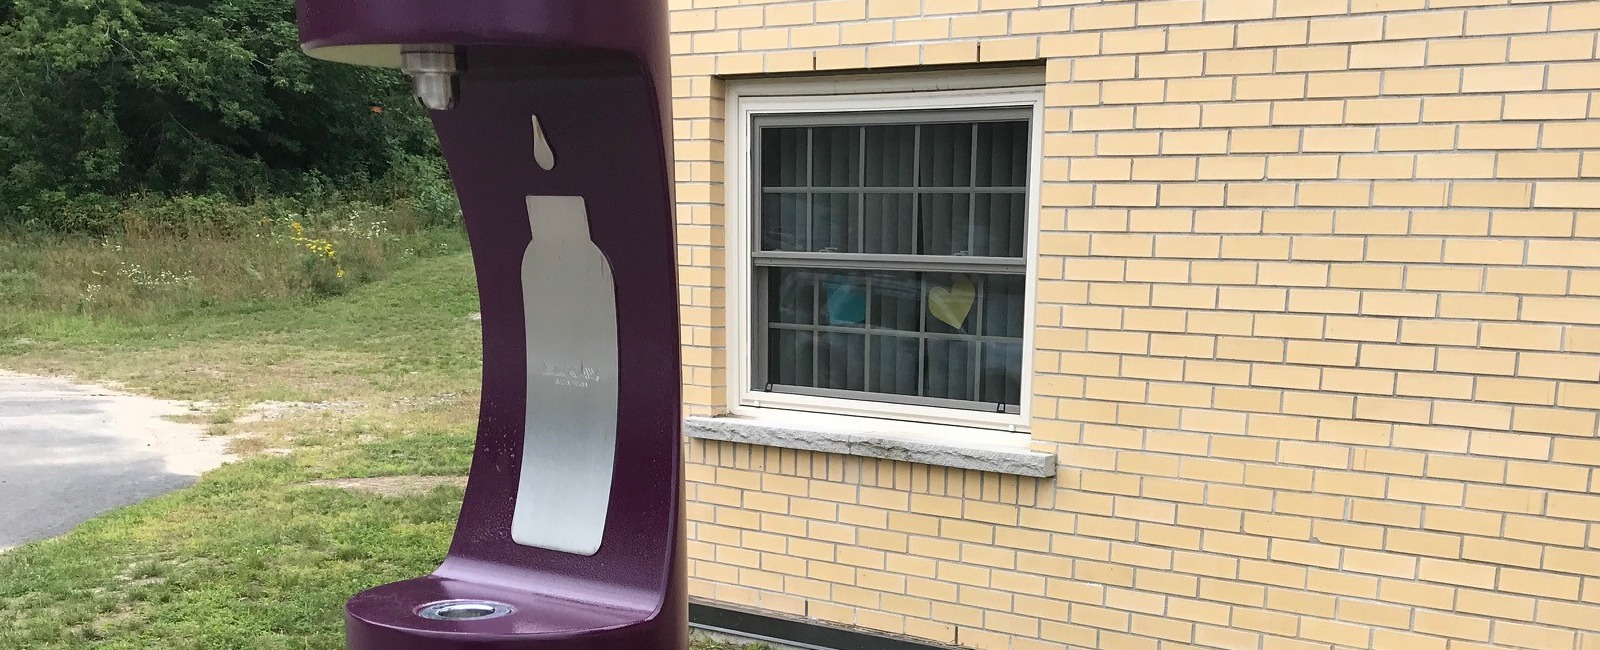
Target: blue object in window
{"x":847,"y":304}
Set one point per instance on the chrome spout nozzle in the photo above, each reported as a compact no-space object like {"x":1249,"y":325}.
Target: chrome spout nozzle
{"x":433,"y":74}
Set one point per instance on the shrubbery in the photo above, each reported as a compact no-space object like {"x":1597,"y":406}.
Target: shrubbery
{"x":110,"y":107}
{"x":415,"y":185}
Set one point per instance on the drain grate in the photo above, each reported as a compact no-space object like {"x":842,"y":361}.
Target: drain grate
{"x":463,"y":610}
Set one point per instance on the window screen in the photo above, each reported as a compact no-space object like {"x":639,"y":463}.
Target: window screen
{"x":890,"y":256}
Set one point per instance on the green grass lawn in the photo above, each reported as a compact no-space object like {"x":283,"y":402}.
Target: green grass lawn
{"x":252,"y":557}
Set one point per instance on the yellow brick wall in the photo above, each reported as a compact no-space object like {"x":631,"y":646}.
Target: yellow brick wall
{"x":1318,"y":333}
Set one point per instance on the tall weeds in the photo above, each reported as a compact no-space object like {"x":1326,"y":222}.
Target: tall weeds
{"x":170,"y":256}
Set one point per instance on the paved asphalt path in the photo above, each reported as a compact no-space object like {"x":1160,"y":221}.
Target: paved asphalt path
{"x":69,"y":452}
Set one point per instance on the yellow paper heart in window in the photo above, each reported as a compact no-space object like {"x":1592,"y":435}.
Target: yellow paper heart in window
{"x":954,"y":304}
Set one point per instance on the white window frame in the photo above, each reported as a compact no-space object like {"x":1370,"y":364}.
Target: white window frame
{"x":747,"y":99}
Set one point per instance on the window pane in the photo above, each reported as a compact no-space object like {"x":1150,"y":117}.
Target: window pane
{"x":835,"y":226}
{"x":1000,"y":220}
{"x":895,"y":363}
{"x":841,"y":361}
{"x":793,"y":298}
{"x":1002,"y":373}
{"x":783,"y":221}
{"x":1003,"y":306}
{"x":897,"y":301}
{"x":953,"y":302}
{"x":844,"y":298}
{"x":836,"y":156}
{"x":1002,"y":154}
{"x":888,"y":223}
{"x":946,"y":155}
{"x":783,"y":157}
{"x":950,"y":371}
{"x":791,"y":357}
{"x":891,"y":155}
{"x":946,"y":224}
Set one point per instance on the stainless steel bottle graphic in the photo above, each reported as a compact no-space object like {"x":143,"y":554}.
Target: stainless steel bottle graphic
{"x":570,"y":430}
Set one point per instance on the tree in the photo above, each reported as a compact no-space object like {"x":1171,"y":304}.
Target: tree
{"x":108,"y":98}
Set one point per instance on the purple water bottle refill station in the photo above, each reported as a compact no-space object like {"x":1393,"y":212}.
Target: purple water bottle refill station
{"x":553,"y":117}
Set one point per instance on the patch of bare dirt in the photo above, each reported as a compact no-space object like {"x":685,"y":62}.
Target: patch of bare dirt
{"x":426,"y":402}
{"x":266,"y":411}
{"x":392,"y":486}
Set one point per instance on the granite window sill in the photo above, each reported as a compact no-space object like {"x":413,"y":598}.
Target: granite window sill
{"x":872,"y":443}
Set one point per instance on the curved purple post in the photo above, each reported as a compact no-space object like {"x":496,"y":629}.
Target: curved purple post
{"x":555,"y":565}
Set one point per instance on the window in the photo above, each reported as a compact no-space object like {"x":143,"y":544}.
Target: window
{"x":888,"y":257}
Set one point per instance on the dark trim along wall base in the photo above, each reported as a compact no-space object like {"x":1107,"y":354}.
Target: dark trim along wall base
{"x":796,"y":631}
